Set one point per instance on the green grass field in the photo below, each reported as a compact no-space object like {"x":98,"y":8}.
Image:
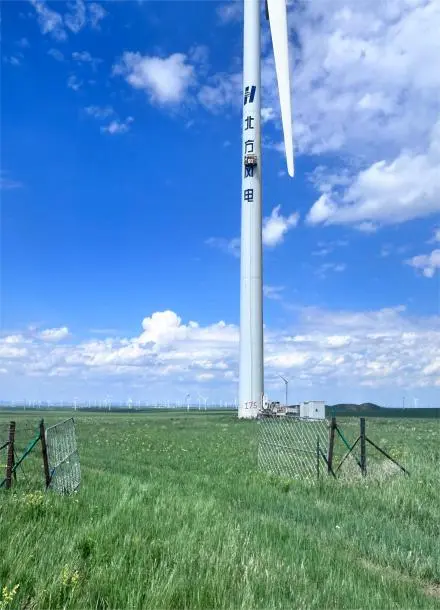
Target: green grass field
{"x":173,"y":513}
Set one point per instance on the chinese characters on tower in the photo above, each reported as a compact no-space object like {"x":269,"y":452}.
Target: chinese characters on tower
{"x":249,"y":95}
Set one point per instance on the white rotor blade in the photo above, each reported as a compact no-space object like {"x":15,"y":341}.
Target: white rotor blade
{"x":278,"y":28}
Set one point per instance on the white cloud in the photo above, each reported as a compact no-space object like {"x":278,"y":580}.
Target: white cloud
{"x":273,"y":292}
{"x":229,"y":246}
{"x":274,"y":230}
{"x":99,"y":112}
{"x":367,"y":227}
{"x":384,"y":349}
{"x":357,"y":85}
{"x":427,"y":263}
{"x":10,"y":352}
{"x":74,"y":83}
{"x":322,"y":252}
{"x":78,"y":16}
{"x":14,"y":339}
{"x":162,"y":328}
{"x":14,"y":60}
{"x":327,"y":247}
{"x":56,"y":54}
{"x":199,"y":55}
{"x":76,"y":19}
{"x":230,"y":11}
{"x":50,"y":21}
{"x":96,"y":14}
{"x":276,"y":226}
{"x":118,"y":127}
{"x":54,"y":334}
{"x":222,"y":90}
{"x":86,"y":57}
{"x":268,"y":114}
{"x":323,"y":269}
{"x":165,"y":80}
{"x":386,"y":192}
{"x":338,"y":341}
{"x":357,"y":88}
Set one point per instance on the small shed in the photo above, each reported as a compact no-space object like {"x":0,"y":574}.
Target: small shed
{"x":312,"y":409}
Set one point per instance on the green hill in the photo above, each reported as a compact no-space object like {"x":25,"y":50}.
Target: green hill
{"x":369,"y":409}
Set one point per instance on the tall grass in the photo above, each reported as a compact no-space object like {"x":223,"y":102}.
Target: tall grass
{"x":172,"y":513}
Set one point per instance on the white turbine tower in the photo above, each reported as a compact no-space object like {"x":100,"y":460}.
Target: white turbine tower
{"x":251,"y":382}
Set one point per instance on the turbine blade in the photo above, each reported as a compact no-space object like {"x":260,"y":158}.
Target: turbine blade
{"x":278,"y":29}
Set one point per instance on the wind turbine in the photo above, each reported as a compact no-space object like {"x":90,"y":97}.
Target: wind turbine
{"x":286,"y":383}
{"x":202,"y":398}
{"x":251,"y":382}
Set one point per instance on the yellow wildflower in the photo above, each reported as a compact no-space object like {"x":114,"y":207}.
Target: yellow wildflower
{"x":7,"y":596}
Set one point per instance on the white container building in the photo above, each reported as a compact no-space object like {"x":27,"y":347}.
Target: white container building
{"x":312,"y":409}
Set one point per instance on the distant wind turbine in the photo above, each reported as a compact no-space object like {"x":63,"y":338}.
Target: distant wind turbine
{"x":286,"y":383}
{"x":251,"y":381}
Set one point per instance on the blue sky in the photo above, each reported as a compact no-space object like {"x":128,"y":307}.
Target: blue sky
{"x":120,"y":202}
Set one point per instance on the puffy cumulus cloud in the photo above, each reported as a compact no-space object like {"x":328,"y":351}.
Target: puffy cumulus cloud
{"x":338,"y":341}
{"x":8,"y":351}
{"x":386,"y":192}
{"x":376,"y":350}
{"x":163,"y":328}
{"x":166,"y":80}
{"x":54,"y":334}
{"x":276,"y":226}
{"x":361,"y":73}
{"x":274,"y":229}
{"x":427,"y":263}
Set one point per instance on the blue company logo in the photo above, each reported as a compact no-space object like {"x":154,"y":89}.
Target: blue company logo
{"x":249,"y":94}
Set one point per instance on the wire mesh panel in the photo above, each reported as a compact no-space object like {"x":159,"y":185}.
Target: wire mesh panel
{"x":292,"y":447}
{"x":63,"y":457}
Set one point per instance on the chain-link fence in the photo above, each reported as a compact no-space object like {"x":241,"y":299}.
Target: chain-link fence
{"x":63,"y":457}
{"x":293,"y":447}
{"x":27,"y":473}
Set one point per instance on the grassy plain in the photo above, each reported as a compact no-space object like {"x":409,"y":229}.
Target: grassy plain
{"x":173,"y":513}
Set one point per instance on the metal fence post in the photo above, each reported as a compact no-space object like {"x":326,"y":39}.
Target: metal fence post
{"x":44,"y":452}
{"x":363,"y":448}
{"x":331,"y":445}
{"x":317,"y":457}
{"x":10,"y":459}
